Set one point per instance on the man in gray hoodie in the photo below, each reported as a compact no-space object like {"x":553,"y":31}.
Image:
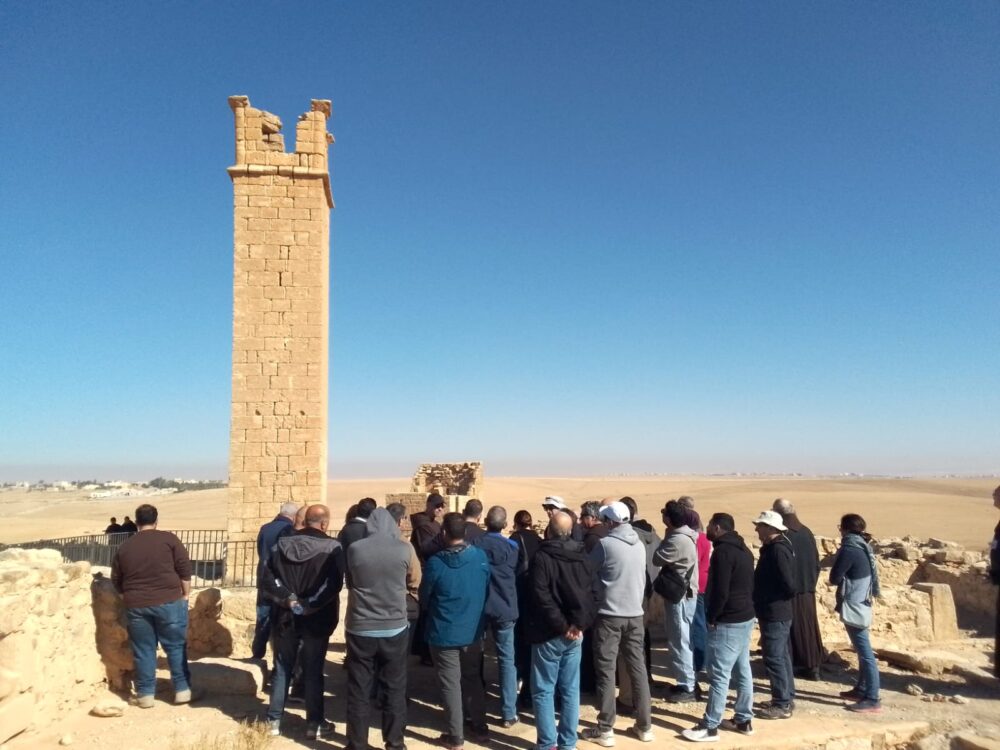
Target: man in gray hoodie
{"x":620,"y":561}
{"x":376,"y":625}
{"x":679,"y":552}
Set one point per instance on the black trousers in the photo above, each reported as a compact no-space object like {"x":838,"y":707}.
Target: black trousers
{"x":376,"y":666}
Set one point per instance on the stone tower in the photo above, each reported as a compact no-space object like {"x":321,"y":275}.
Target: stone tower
{"x":281,"y":264}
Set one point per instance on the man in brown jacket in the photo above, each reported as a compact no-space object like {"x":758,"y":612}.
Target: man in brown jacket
{"x":153,"y":573}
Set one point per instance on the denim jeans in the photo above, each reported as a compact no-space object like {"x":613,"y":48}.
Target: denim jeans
{"x":868,"y":679}
{"x":555,"y":668}
{"x":261,"y":631}
{"x":166,"y":624}
{"x":293,"y":643}
{"x":776,"y":640}
{"x":503,"y":638}
{"x":680,"y":660}
{"x":699,"y":634}
{"x":728,"y":657}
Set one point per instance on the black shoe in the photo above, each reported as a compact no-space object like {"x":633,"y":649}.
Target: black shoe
{"x":699,"y":694}
{"x":807,"y":673}
{"x":681,"y":696}
{"x":731,"y":725}
{"x":479,"y":733}
{"x":775,"y":712}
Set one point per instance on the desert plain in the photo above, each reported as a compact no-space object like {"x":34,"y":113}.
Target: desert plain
{"x":957,"y":509}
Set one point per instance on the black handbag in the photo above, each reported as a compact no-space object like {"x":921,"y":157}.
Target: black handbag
{"x":670,"y":585}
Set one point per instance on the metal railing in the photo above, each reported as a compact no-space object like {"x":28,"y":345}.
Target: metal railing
{"x":215,"y":559}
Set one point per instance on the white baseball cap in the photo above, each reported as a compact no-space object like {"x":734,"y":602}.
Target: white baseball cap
{"x":617,"y":512}
{"x":772,"y":519}
{"x":554,"y":501}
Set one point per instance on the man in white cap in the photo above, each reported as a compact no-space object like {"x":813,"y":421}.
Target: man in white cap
{"x":774,"y":588}
{"x":620,"y":561}
{"x":552,"y":504}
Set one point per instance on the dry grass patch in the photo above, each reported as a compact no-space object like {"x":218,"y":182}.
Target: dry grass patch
{"x":248,"y":736}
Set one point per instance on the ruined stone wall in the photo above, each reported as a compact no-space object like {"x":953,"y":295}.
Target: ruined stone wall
{"x":48,"y":663}
{"x":450,"y":479}
{"x":281,"y":240}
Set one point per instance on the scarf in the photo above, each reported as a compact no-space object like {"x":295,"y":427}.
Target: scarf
{"x":858,"y":542}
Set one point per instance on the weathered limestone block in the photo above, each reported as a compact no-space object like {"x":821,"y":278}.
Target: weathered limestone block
{"x":112,"y":636}
{"x":930,"y":662}
{"x":221,"y":623}
{"x":973,"y":594}
{"x":944,"y":620}
{"x":221,"y":676}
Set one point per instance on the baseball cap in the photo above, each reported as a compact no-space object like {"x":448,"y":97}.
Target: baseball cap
{"x":617,"y":512}
{"x":435,"y":500}
{"x":772,"y":519}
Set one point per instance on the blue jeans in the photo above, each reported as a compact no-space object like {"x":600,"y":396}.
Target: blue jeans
{"x":503,"y":638}
{"x":555,"y":667}
{"x":166,"y":624}
{"x":728,"y":654}
{"x":699,"y":634}
{"x":868,"y":680}
{"x":261,"y":631}
{"x":680,"y":660}
{"x":777,"y":643}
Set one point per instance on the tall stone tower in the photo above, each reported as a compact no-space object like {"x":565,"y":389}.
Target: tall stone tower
{"x":281,"y":263}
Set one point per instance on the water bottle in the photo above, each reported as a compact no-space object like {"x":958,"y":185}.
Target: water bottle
{"x":296,"y":607}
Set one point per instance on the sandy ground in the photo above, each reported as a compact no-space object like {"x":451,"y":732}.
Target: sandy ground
{"x":956,"y":509}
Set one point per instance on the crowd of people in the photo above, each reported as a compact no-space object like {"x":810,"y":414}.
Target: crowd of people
{"x":127,"y":526}
{"x":568,"y":611}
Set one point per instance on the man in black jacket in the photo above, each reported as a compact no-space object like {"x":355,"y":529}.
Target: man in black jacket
{"x":729,"y":613}
{"x":774,"y":587}
{"x":303,"y":577}
{"x":563,"y":605}
{"x":357,"y":527}
{"x":995,"y":577}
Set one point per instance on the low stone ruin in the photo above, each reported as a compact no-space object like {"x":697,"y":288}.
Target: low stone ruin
{"x":449,"y":479}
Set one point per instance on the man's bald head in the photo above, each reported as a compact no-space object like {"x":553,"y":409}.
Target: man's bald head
{"x":300,"y":517}
{"x":318,"y":517}
{"x":562,"y":524}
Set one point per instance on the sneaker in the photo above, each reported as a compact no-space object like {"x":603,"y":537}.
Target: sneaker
{"x":144,"y":701}
{"x":451,"y":742}
{"x":700,"y":733}
{"x":852,"y":695}
{"x":508,"y":723}
{"x":182,"y":696}
{"x":479,"y":733}
{"x":866,"y":707}
{"x":319,"y":730}
{"x":643,"y":735}
{"x":775,"y":712}
{"x":602,"y":738}
{"x":274,"y":727}
{"x":743,"y":727}
{"x":681,"y":696}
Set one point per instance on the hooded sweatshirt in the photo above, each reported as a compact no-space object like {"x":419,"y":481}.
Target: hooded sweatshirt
{"x":502,"y":554}
{"x":453,"y":591}
{"x":309,"y":565}
{"x":775,"y":580}
{"x":729,"y":593}
{"x":679,"y":550}
{"x":561,"y":590}
{"x":620,"y":560}
{"x":377,"y":570}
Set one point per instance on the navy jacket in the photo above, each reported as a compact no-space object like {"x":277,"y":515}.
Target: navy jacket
{"x":267,"y":537}
{"x":502,"y":554}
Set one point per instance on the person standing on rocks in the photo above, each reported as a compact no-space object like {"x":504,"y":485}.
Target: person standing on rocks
{"x":855,"y":575}
{"x":562,"y":606}
{"x":995,"y":577}
{"x":807,"y":643}
{"x":620,"y":563}
{"x":268,"y":536}
{"x":303,"y":577}
{"x":453,"y":591}
{"x":152,"y":572}
{"x":729,"y":613}
{"x":774,"y":588}
{"x":378,"y":566}
{"x":678,"y":553}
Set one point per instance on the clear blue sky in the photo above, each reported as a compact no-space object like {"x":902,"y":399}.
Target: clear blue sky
{"x":570,"y":237}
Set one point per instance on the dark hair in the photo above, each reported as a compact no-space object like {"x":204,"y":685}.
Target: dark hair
{"x":853,"y":523}
{"x":352,"y":513}
{"x":435,"y":499}
{"x":453,"y":526}
{"x":397,"y":511}
{"x":522,"y":519}
{"x":473,"y":508}
{"x":496,"y":518}
{"x":723,"y":520}
{"x":145,"y":515}
{"x":693,"y":519}
{"x":591,"y":509}
{"x":633,"y":509}
{"x":676,"y":514}
{"x":114,"y":520}
{"x":365,"y":507}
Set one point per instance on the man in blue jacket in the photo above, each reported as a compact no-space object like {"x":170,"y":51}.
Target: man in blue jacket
{"x":267,"y":537}
{"x":454,"y":591}
{"x":501,"y":606}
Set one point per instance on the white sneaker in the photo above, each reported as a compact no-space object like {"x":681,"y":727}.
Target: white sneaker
{"x":274,"y":728}
{"x":182,"y":696}
{"x":594,"y":734}
{"x":643,"y":735}
{"x":700,"y":733}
